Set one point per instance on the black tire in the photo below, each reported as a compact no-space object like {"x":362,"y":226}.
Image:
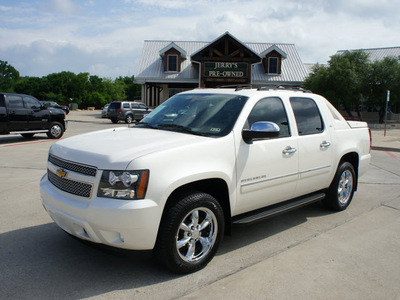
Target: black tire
{"x":129,"y":119}
{"x":341,"y":190}
{"x":115,"y":121}
{"x":190,"y":233}
{"x":56,"y":130}
{"x":27,"y":135}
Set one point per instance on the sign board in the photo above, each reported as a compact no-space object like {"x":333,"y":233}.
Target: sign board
{"x":226,"y":69}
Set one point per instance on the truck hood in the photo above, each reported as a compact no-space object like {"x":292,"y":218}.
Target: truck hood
{"x":116,"y":148}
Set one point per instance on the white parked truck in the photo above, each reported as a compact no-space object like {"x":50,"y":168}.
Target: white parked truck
{"x":203,"y":160}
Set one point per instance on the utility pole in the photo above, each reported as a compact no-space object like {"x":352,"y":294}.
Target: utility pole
{"x":387,"y":105}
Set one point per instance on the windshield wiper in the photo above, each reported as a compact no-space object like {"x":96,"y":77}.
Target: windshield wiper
{"x":146,"y":125}
{"x":180,"y":128}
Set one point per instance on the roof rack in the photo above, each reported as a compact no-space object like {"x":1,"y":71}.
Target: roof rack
{"x":237,"y":87}
{"x":282,"y":87}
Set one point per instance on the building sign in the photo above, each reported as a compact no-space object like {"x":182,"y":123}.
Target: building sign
{"x":225,"y":69}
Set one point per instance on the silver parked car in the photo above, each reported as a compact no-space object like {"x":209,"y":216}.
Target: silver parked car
{"x":104,"y":111}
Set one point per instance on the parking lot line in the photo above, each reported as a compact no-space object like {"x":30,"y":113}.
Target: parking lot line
{"x":24,"y":143}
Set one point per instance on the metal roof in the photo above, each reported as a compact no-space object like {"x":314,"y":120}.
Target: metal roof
{"x":151,"y":68}
{"x":377,"y":53}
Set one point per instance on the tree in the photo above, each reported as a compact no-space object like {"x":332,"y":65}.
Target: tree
{"x":343,"y":81}
{"x":8,"y":76}
{"x":384,"y":76}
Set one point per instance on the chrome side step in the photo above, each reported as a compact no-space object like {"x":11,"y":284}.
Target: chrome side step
{"x":31,"y":131}
{"x":276,"y":209}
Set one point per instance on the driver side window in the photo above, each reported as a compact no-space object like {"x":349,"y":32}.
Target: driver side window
{"x":270,"y":110}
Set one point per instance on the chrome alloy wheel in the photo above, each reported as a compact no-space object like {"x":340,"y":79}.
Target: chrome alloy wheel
{"x":55,"y":130}
{"x":345,"y":187}
{"x":196,"y":234}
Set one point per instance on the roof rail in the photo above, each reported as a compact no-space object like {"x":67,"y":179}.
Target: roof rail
{"x":237,"y":87}
{"x":283,"y":87}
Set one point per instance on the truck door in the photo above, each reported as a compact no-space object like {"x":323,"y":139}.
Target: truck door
{"x":38,"y":118}
{"x":17,"y":114}
{"x":3,"y":116}
{"x":267,"y":169}
{"x":314,"y":143}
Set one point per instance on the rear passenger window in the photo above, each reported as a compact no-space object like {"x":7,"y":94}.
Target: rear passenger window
{"x":126,"y":105}
{"x":307,"y":115}
{"x":270,"y":110}
{"x":15,"y":101}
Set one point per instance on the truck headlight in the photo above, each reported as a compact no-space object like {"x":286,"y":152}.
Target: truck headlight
{"x":129,"y":185}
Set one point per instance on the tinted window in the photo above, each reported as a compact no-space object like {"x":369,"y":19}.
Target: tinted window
{"x":135,"y":105}
{"x":271,"y":110}
{"x":115,"y":105}
{"x":307,"y":115}
{"x":31,"y":103}
{"x":142,"y":106}
{"x":126,"y":105}
{"x":15,"y":101}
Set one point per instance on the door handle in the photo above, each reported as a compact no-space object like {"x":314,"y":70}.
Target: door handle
{"x":289,"y":150}
{"x":325,"y":144}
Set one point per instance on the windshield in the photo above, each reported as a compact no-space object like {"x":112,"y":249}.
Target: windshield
{"x":201,"y":114}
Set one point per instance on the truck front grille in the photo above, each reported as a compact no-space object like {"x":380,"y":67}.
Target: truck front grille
{"x":79,"y":168}
{"x":70,"y":186}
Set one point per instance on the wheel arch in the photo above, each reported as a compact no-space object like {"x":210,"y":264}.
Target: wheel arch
{"x":353,"y":158}
{"x":216,"y":187}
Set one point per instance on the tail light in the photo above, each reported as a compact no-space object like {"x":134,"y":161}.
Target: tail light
{"x":120,"y":110}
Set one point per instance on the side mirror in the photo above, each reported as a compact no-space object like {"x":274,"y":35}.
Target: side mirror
{"x":260,"y":130}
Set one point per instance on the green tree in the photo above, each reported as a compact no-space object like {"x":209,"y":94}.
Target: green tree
{"x":384,"y":76}
{"x":343,"y":81}
{"x":8,"y":76}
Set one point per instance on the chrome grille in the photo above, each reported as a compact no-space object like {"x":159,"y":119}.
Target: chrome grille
{"x":70,"y":186}
{"x":82,"y":169}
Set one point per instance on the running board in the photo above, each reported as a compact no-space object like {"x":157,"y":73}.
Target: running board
{"x":30,"y":131}
{"x":276,"y":209}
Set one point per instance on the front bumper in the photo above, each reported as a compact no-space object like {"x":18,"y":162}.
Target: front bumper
{"x":128,"y":224}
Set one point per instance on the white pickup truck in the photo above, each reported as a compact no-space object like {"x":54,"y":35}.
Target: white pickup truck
{"x":204,"y":160}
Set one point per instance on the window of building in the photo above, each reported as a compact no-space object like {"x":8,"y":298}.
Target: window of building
{"x":172,"y":63}
{"x":271,"y":110}
{"x":272,"y":65}
{"x":308,"y":117}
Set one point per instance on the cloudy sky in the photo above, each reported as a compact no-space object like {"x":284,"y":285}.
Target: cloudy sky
{"x":105,"y":37}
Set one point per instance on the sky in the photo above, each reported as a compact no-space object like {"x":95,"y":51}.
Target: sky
{"x":106,"y":37}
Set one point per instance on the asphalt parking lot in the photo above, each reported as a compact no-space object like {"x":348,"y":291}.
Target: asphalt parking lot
{"x":310,"y":253}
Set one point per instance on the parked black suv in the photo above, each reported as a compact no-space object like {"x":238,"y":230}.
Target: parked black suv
{"x":25,"y":115}
{"x":55,"y":105}
{"x":127,"y":111}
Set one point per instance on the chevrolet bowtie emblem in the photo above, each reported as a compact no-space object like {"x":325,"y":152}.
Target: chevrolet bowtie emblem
{"x":61,"y":173}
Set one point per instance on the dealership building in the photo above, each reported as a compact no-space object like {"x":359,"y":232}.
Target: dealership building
{"x":169,"y":67}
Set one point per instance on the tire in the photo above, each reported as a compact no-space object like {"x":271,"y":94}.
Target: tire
{"x":129,"y":119}
{"x":56,"y":130}
{"x":341,"y":190}
{"x":190,"y":233}
{"x":27,"y":135}
{"x":115,"y":121}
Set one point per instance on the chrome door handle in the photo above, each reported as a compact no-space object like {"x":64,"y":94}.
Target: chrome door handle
{"x":325,"y":144}
{"x":289,"y":150}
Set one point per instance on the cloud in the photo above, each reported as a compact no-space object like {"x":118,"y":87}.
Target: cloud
{"x":61,"y":6}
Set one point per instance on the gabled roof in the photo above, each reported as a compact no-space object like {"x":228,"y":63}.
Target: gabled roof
{"x":151,"y":68}
{"x":226,"y":34}
{"x":377,"y":53}
{"x":274,"y":48}
{"x":174,"y":46}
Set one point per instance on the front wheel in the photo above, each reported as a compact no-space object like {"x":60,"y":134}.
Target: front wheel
{"x":129,"y":119}
{"x":56,"y":130}
{"x":190,"y":233}
{"x":341,"y":191}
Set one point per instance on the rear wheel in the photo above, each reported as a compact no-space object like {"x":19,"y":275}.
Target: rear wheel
{"x":56,"y":130}
{"x":341,"y":191}
{"x":190,"y":233}
{"x":115,"y":121}
{"x":129,"y":119}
